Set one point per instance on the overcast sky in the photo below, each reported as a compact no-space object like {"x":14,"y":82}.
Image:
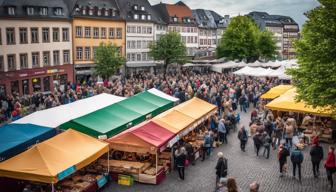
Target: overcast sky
{"x":292,"y":8}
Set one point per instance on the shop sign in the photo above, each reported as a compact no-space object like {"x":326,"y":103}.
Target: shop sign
{"x":173,"y":140}
{"x":49,"y":71}
{"x":101,"y":181}
{"x":66,"y":173}
{"x":23,"y":75}
{"x":39,"y":72}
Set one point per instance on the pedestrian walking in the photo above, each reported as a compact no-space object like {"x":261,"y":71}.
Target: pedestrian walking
{"x":222,"y":132}
{"x":206,"y":145}
{"x":257,"y":140}
{"x":283,"y":153}
{"x":330,"y":166}
{"x":190,"y":153}
{"x":221,"y":168}
{"x":297,"y":159}
{"x":242,"y":136}
{"x":289,"y":129}
{"x":316,"y":154}
{"x":181,"y":157}
{"x":267,"y":144}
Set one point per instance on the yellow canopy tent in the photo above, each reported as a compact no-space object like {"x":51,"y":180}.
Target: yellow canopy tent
{"x":174,"y":121}
{"x":54,"y":159}
{"x":196,"y":108}
{"x":276,"y":91}
{"x":286,"y":102}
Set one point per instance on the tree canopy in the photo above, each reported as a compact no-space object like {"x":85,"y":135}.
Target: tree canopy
{"x":243,"y":40}
{"x":169,"y":48}
{"x":108,"y":60}
{"x":315,"y":78}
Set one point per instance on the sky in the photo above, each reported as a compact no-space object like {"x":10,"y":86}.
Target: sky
{"x":292,"y":8}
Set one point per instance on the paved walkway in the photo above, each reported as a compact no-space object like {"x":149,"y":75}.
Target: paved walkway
{"x":246,"y":167}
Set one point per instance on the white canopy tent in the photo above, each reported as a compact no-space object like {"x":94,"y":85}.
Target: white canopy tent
{"x":244,"y":71}
{"x":163,"y":95}
{"x":56,"y":116}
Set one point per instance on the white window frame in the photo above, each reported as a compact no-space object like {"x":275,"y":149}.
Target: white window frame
{"x":30,"y":10}
{"x":11,"y":10}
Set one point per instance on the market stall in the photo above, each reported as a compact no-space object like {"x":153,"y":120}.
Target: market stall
{"x":141,"y":147}
{"x":59,"y":158}
{"x":276,"y":91}
{"x":120,"y":116}
{"x":16,"y":138}
{"x":287,"y":103}
{"x":72,"y":110}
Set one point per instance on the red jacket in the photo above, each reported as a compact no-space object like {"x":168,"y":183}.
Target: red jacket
{"x":330,"y":162}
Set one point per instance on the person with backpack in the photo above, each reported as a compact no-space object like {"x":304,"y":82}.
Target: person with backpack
{"x":221,"y":167}
{"x":330,"y":166}
{"x":316,"y":154}
{"x":297,"y":159}
{"x":242,"y":136}
{"x":283,"y":153}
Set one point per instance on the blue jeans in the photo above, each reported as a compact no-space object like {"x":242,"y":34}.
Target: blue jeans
{"x":243,"y":108}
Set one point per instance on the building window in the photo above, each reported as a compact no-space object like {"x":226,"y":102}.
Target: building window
{"x":23,"y":35}
{"x":84,"y":11}
{"x":23,"y":61}
{"x":11,"y":61}
{"x":56,"y":35}
{"x":87,"y":53}
{"x":138,"y":44}
{"x":14,"y":87}
{"x":96,"y":32}
{"x":87,"y":32}
{"x":142,"y":8}
{"x":45,"y":35}
{"x":46,"y":83}
{"x":43,"y":11}
{"x":133,"y":57}
{"x":79,"y":53}
{"x":149,"y":17}
{"x":34,"y":35}
{"x":103,"y":32}
{"x":94,"y":50}
{"x":56,"y":57}
{"x":25,"y":87}
{"x":65,"y":34}
{"x":66,"y":57}
{"x":144,"y":56}
{"x":79,"y":31}
{"x":119,"y":33}
{"x":10,"y":34}
{"x":136,"y":16}
{"x":139,"y":29}
{"x":99,"y":12}
{"x":135,"y":7}
{"x":138,"y":57}
{"x":36,"y":83}
{"x":106,"y":13}
{"x":175,"y":19}
{"x":11,"y":10}
{"x":35,"y":59}
{"x":30,"y":10}
{"x":58,"y":11}
{"x":90,"y":12}
{"x":111,"y":33}
{"x":46,"y":58}
{"x":143,"y":17}
{"x":149,"y":30}
{"x":114,"y":12}
{"x":128,"y":57}
{"x":2,"y":64}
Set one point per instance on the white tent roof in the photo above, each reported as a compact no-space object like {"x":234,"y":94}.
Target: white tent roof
{"x":245,"y":71}
{"x":56,"y":116}
{"x":163,"y":95}
{"x":264,"y":72}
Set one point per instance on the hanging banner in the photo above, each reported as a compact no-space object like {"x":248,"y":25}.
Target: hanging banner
{"x":66,"y":173}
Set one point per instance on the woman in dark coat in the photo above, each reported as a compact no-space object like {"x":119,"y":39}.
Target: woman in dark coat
{"x":181,"y":156}
{"x":221,"y":167}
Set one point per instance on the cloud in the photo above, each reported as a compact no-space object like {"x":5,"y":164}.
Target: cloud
{"x":292,"y":8}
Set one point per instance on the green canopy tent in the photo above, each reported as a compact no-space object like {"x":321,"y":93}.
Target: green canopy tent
{"x":120,"y":116}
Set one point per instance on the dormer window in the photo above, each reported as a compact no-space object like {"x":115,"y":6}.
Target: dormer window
{"x":99,"y":12}
{"x":142,"y":8}
{"x":113,"y":13}
{"x":11,"y":10}
{"x":136,"y":16}
{"x":83,"y":11}
{"x":135,"y":7}
{"x":143,"y":17}
{"x":175,"y":19}
{"x":43,"y":11}
{"x":149,"y":17}
{"x":188,"y":20}
{"x":30,"y":10}
{"x":90,"y":12}
{"x":58,"y":11}
{"x":106,"y":13}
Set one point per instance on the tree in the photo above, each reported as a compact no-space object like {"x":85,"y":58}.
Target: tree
{"x":108,"y":60}
{"x":169,"y":48}
{"x":315,"y":78}
{"x":243,"y":40}
{"x":266,"y":45}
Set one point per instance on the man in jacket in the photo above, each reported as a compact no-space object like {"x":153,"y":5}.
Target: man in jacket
{"x":221,"y":167}
{"x":206,"y":145}
{"x":222,"y":131}
{"x":267,"y":144}
{"x":283,"y":153}
{"x":297,"y":159}
{"x":316,"y":154}
{"x":242,"y":136}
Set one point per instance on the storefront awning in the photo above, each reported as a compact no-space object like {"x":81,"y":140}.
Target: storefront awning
{"x":54,"y":159}
{"x":276,"y":91}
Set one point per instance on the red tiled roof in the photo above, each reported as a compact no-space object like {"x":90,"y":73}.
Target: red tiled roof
{"x":179,"y":11}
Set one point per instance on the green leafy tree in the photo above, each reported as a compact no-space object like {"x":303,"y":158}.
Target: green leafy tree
{"x":266,"y":45}
{"x":243,"y":40}
{"x":315,"y":78}
{"x":108,"y":60}
{"x":169,"y":49}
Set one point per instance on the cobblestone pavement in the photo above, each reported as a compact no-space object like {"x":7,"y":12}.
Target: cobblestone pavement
{"x":246,"y":167}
